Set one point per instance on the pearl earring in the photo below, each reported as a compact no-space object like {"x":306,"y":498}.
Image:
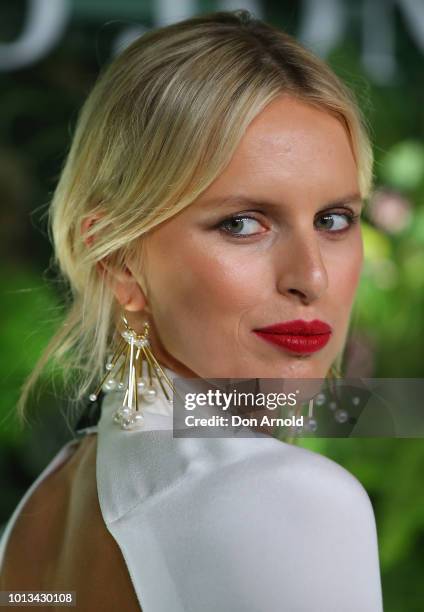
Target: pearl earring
{"x":125,"y":371}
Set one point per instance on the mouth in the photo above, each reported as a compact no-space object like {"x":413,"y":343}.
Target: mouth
{"x":299,"y":336}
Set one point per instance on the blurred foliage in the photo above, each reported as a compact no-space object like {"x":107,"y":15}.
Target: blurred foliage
{"x":390,"y":300}
{"x":23,"y":299}
{"x":39,"y":108}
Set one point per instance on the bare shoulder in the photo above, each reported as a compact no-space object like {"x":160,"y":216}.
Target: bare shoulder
{"x":60,"y":541}
{"x":37,"y":533}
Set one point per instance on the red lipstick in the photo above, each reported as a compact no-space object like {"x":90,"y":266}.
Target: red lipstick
{"x":297,"y":336}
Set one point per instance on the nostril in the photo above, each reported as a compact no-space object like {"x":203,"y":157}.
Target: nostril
{"x":297,"y":292}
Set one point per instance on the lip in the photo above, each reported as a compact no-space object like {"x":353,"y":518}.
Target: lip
{"x":298,"y":336}
{"x":298,"y":327}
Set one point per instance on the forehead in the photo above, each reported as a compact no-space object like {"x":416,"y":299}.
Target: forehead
{"x":290,"y":144}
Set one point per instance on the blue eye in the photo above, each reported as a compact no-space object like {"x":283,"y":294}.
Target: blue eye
{"x":243,"y":226}
{"x":233,"y":223}
{"x":345,"y":220}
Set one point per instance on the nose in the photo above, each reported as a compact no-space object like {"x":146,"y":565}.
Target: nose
{"x":302,"y":274}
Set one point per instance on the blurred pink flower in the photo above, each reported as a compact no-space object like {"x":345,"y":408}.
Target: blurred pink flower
{"x":390,"y":210}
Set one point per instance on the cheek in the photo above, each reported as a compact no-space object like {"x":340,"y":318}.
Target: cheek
{"x":345,"y":272}
{"x":203,"y":284}
{"x":220,"y":278}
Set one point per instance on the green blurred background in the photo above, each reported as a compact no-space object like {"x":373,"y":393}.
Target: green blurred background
{"x":50,"y":54}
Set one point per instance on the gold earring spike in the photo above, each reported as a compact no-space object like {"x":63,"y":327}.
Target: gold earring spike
{"x":125,"y":372}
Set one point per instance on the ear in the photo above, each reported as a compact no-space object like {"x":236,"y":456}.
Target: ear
{"x":121,"y":281}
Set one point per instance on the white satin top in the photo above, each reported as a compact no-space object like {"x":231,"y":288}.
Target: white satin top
{"x":247,"y":524}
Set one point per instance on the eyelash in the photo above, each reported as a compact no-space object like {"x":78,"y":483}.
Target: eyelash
{"x":351,"y":217}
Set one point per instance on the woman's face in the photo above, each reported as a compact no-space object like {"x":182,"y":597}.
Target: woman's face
{"x":269,"y":241}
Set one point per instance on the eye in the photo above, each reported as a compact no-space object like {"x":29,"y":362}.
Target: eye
{"x":244,"y":226}
{"x":336,"y":222}
{"x":240,"y":226}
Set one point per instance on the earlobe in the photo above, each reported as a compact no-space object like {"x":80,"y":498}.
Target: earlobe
{"x":133,"y":300}
{"x":121,"y":281}
{"x":125,"y":288}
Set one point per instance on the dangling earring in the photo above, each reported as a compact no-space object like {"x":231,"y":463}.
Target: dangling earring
{"x":125,"y":371}
{"x":334,"y":372}
{"x":329,"y":396}
{"x":340,"y":413}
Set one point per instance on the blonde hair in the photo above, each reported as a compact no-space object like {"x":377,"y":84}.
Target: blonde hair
{"x":158,"y":127}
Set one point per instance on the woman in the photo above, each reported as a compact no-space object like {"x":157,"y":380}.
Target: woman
{"x":213,"y":189}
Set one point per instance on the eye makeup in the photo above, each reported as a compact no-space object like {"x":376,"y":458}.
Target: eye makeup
{"x":349,"y":216}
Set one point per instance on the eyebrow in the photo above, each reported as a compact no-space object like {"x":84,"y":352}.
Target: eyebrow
{"x":354,"y":198}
